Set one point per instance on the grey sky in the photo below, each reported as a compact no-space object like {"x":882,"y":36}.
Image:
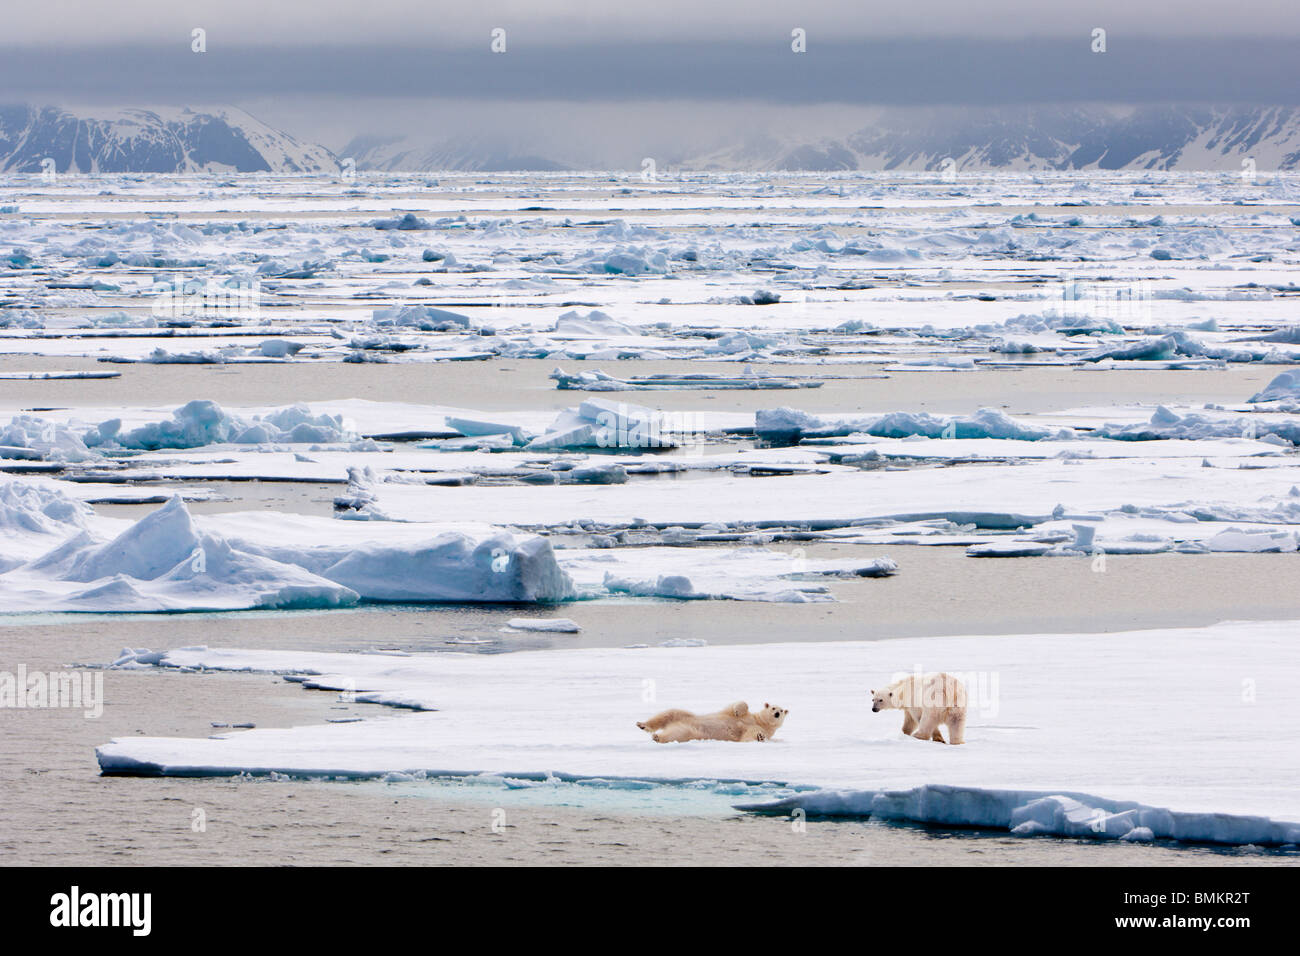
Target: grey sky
{"x":329,"y":69}
{"x":433,"y":23}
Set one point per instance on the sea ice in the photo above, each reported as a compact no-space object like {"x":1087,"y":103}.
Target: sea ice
{"x":1060,"y":735}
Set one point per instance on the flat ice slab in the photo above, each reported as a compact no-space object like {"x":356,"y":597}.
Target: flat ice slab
{"x":549,"y":625}
{"x":1191,"y":721}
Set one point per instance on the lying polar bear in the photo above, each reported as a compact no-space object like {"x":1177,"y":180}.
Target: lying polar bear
{"x":926,"y":700}
{"x":733,"y":722}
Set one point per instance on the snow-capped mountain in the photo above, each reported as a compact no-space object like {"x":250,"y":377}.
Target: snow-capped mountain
{"x":1034,"y":138}
{"x":151,"y":141}
{"x":1031,"y":138}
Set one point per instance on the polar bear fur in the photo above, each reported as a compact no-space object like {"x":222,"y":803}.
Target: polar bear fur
{"x":927,"y":701}
{"x":734,"y":722}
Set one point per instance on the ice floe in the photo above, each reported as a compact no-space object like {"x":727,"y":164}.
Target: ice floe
{"x":1098,"y":735}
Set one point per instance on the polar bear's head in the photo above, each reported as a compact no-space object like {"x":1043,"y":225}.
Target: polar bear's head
{"x":884,"y":699}
{"x":774,"y":715}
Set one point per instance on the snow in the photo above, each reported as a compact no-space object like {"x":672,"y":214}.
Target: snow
{"x":1171,"y":730}
{"x":33,"y":518}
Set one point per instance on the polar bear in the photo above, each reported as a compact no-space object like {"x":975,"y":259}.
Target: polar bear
{"x":734,"y":722}
{"x":926,"y":700}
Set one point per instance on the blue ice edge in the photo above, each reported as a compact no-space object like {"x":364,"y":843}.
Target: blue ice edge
{"x":1020,"y":812}
{"x":1036,"y":813}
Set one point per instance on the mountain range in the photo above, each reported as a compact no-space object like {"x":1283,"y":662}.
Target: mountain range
{"x":1062,"y":138}
{"x":1172,"y":137}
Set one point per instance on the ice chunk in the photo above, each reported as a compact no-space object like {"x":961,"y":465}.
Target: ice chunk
{"x":474,"y":427}
{"x":788,"y":425}
{"x":421,"y":318}
{"x":204,"y":422}
{"x":32,"y":437}
{"x":1285,"y":385}
{"x":164,"y":562}
{"x":553,"y":625}
{"x":161,"y":563}
{"x":456,"y":567}
{"x":595,"y":324}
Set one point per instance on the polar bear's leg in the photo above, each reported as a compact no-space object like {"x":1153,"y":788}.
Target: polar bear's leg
{"x":661,"y":720}
{"x":676,"y":733}
{"x":909,"y":721}
{"x":957,"y":728}
{"x":752,"y":732}
{"x":929,"y":725}
{"x":738,"y":709}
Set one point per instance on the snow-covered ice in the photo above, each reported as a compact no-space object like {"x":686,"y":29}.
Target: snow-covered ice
{"x":1096,"y":735}
{"x":167,"y":561}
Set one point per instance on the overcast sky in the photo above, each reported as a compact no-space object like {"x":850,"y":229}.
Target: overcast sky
{"x":329,"y":69}
{"x":64,"y":22}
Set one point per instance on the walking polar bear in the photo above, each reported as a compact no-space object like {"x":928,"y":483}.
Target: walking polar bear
{"x":734,"y":722}
{"x":927,"y":701}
